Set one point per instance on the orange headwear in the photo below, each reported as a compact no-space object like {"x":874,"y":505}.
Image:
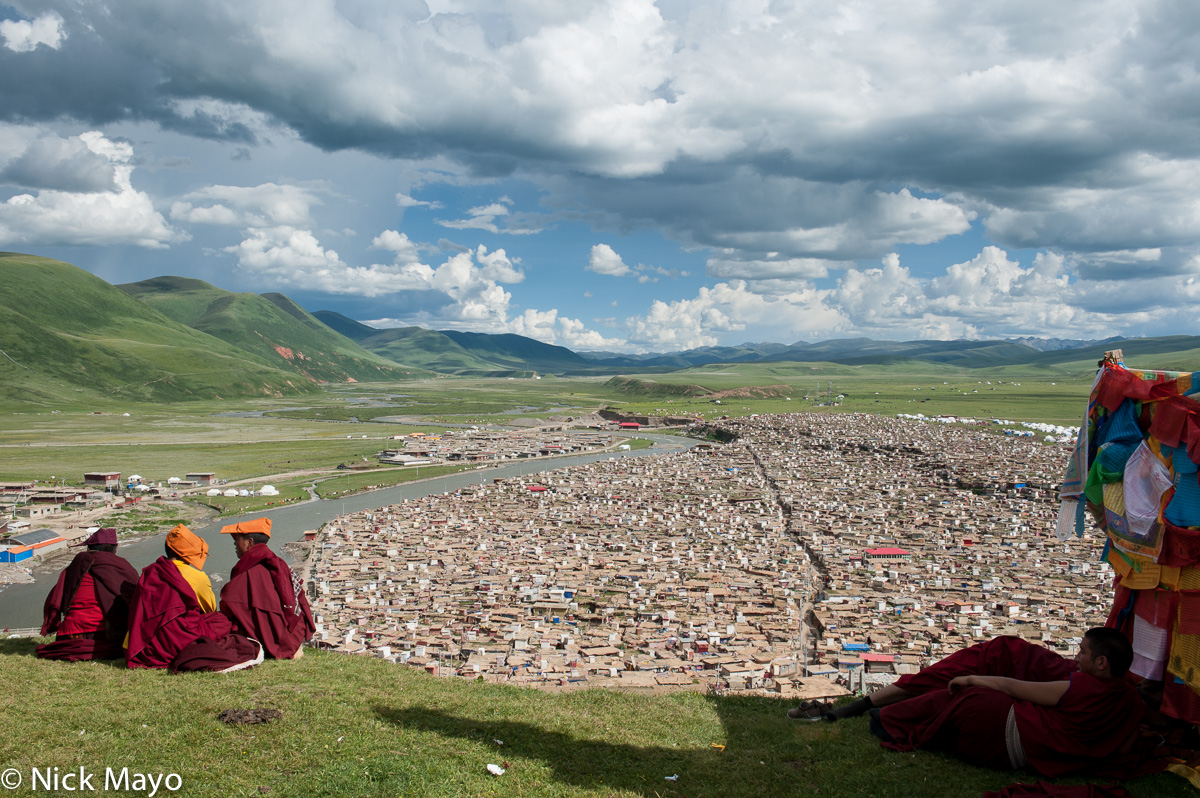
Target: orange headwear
{"x":190,"y":547}
{"x":260,"y":525}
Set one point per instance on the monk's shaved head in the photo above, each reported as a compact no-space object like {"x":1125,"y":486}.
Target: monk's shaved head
{"x":1113,"y":646}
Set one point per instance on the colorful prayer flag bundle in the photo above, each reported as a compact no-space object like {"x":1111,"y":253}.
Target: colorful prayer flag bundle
{"x":1136,"y":469}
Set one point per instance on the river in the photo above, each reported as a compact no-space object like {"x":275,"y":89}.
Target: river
{"x":21,"y":605}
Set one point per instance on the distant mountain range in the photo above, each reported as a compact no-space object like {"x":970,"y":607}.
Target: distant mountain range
{"x":67,"y":335}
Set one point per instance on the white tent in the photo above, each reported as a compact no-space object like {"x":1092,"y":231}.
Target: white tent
{"x":214,"y":492}
{"x":269,"y":490}
{"x":243,"y":492}
{"x":231,"y":492}
{"x":174,"y":480}
{"x":143,"y":488}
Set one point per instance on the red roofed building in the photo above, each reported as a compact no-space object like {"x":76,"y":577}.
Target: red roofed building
{"x":886,"y":554}
{"x":878,"y":663}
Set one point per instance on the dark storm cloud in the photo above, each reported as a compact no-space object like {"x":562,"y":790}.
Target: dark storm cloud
{"x":800,"y":131}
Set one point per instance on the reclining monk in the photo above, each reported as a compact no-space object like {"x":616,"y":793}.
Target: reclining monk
{"x":89,"y":606}
{"x":263,"y":598}
{"x":173,"y":622}
{"x":1009,"y":704}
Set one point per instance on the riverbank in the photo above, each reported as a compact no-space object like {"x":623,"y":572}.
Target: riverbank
{"x":21,"y":604}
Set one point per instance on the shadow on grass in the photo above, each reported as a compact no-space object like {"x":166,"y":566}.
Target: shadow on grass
{"x":756,"y":760}
{"x":27,"y":647}
{"x":18,"y":647}
{"x":764,"y":755}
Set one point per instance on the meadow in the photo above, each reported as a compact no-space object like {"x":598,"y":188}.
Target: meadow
{"x":347,"y":424}
{"x":357,"y":726}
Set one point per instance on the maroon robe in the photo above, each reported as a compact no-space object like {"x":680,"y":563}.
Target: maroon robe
{"x":166,"y":619}
{"x":1085,"y":731}
{"x":113,"y":581}
{"x":264,"y":601}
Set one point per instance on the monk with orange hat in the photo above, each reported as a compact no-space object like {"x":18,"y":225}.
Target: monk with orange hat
{"x":173,"y":621}
{"x":263,"y":598}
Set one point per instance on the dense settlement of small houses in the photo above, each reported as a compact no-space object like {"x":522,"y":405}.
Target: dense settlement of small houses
{"x":809,"y":552}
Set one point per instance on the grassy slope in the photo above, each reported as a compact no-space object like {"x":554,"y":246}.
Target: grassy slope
{"x":354,"y":726}
{"x":461,"y":353}
{"x":631,"y":386}
{"x":1053,"y":394}
{"x":427,"y":349}
{"x":65,"y":332}
{"x":271,"y":326}
{"x":518,"y":351}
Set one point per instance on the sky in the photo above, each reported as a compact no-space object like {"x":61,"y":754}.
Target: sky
{"x":624,"y":175}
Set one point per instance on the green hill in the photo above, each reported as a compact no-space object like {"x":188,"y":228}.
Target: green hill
{"x":519,"y":352}
{"x":359,"y":727}
{"x":66,"y":335}
{"x":354,"y":330}
{"x":1168,"y":353}
{"x":462,"y":353}
{"x":633,"y":387}
{"x":271,"y":326}
{"x":429,"y":349}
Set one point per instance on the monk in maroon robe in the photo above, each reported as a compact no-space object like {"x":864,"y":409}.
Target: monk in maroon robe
{"x":88,"y":608}
{"x":1009,"y":704}
{"x":170,"y":625}
{"x":263,"y":598}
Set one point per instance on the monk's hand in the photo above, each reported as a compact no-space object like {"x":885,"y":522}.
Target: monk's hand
{"x":959,"y":683}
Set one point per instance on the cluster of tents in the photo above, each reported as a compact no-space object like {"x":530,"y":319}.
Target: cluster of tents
{"x":265,"y":490}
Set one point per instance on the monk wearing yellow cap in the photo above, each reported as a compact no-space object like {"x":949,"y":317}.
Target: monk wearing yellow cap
{"x":173,"y":621}
{"x":263,"y":598}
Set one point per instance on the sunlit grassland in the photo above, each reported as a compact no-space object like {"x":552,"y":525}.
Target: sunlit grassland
{"x":1055,"y":399}
{"x":460,"y":400}
{"x":158,"y":462}
{"x":159,"y":441}
{"x":356,"y":726}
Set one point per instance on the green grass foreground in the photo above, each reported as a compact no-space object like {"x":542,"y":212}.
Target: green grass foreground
{"x":354,"y":726}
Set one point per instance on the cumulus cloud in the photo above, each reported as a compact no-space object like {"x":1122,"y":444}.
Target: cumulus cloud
{"x":266,"y":205}
{"x":23,"y":36}
{"x":551,"y":328}
{"x":464,"y":290}
{"x":294,"y":258}
{"x":730,"y":307}
{"x":480,"y":218}
{"x":605,"y":261}
{"x":987,"y":296}
{"x":103,"y":209}
{"x":63,"y":164}
{"x":406,"y":251}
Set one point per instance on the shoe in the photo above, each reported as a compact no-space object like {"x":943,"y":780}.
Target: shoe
{"x":808,"y":710}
